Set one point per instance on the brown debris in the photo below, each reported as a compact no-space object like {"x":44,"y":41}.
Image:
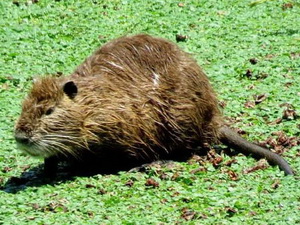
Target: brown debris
{"x":151,"y":182}
{"x":249,"y":73}
{"x":250,"y":87}
{"x":262,"y":164}
{"x":232,"y":175}
{"x":288,"y":84}
{"x":285,"y":141}
{"x":6,"y":169}
{"x":200,"y":169}
{"x":253,"y":61}
{"x":91,"y":214}
{"x":90,"y":186}
{"x":275,"y":185}
{"x":17,"y":3}
{"x":259,"y":98}
{"x":164,"y":200}
{"x":230,"y":210}
{"x":222,"y":104}
{"x":196,"y":159}
{"x":249,"y":104}
{"x":102,"y":191}
{"x":187,"y":214}
{"x":286,"y":6}
{"x":214,"y":158}
{"x":230,"y":162}
{"x":217,"y":161}
{"x":289,"y":114}
{"x":240,"y":131}
{"x":25,"y":167}
{"x":175,"y":176}
{"x":277,"y":121}
{"x":54,"y":207}
{"x":252,"y":213}
{"x":163,"y":176}
{"x":129,"y":183}
{"x":181,"y":38}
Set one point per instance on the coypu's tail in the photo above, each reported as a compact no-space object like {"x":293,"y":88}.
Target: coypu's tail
{"x":232,"y":139}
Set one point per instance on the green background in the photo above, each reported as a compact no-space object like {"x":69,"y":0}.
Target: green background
{"x":51,"y":36}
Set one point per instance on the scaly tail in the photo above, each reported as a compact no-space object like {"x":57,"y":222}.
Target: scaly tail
{"x":232,"y":139}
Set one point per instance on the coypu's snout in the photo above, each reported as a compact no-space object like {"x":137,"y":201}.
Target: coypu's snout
{"x":26,"y":144}
{"x":21,"y":137}
{"x":22,"y":133}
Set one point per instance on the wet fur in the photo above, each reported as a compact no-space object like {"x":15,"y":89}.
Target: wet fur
{"x":139,"y":98}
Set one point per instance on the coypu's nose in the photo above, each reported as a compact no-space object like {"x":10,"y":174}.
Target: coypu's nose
{"x":21,"y":137}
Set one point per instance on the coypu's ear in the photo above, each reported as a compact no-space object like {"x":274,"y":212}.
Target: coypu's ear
{"x":70,"y":89}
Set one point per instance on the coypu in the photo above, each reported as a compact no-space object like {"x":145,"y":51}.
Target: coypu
{"x":137,"y":99}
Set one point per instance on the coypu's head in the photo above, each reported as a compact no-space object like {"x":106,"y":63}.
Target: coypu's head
{"x":50,"y":122}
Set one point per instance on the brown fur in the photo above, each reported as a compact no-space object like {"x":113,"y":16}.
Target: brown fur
{"x":139,"y":97}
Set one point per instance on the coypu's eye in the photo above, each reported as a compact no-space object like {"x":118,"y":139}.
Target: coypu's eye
{"x":49,"y":111}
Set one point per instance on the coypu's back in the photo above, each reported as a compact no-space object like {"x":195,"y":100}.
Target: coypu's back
{"x":167,"y":102}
